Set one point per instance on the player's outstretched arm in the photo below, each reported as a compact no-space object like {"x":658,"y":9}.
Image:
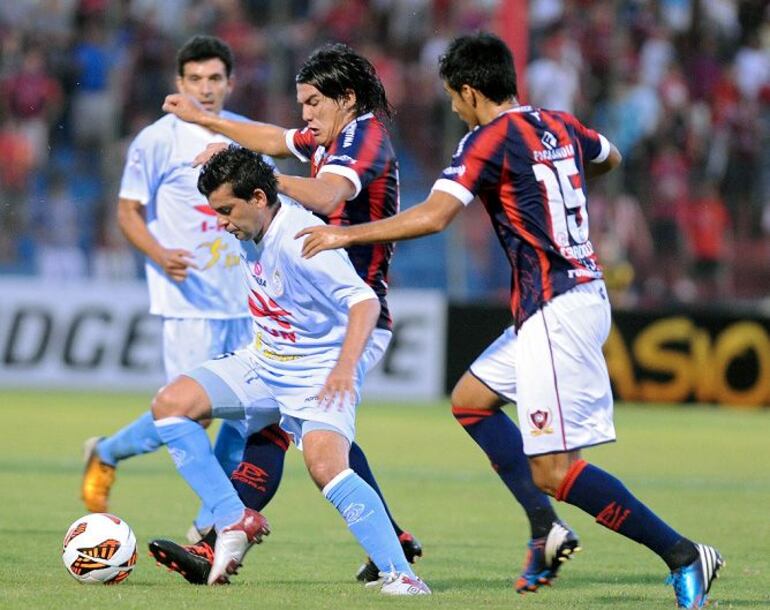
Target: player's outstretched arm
{"x":340,"y":384}
{"x":426,"y":218}
{"x":259,"y":137}
{"x":322,"y":194}
{"x":173,"y":261}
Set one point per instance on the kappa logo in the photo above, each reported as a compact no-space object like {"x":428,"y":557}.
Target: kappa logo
{"x":541,"y":421}
{"x":549,"y":140}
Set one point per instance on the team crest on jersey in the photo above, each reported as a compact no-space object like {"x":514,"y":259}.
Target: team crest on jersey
{"x":276,"y":283}
{"x":541,"y":421}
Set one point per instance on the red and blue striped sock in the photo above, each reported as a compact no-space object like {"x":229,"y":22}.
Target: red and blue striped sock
{"x":612,"y":505}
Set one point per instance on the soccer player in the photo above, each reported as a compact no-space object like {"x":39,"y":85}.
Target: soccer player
{"x":354,"y":179}
{"x":313,"y":322}
{"x":528,"y":166}
{"x":195,"y":285}
{"x":192,"y":265}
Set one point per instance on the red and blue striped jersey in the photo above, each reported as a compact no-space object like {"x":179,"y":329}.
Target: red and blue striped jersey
{"x":527,"y":168}
{"x":363,"y":154}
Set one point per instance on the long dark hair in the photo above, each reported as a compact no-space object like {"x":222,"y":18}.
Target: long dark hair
{"x":336,"y":68}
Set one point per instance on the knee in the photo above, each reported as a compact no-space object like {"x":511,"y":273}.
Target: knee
{"x":169,"y":402}
{"x":322,"y":471}
{"x":547,"y":474}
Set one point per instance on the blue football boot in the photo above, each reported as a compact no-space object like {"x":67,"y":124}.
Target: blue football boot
{"x":693,"y":582}
{"x":545,"y":556}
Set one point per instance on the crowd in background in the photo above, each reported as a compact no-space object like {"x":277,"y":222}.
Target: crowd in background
{"x":682,"y":87}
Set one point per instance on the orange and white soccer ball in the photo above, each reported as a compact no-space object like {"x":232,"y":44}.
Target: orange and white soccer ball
{"x":99,"y":548}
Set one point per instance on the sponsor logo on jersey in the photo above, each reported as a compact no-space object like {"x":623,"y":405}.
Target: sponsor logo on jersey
{"x":554,"y":154}
{"x":341,"y":159}
{"x":549,"y":140}
{"x":541,"y":421}
{"x":215,"y":250}
{"x":455,"y":171}
{"x":257,"y":268}
{"x":350,"y":133}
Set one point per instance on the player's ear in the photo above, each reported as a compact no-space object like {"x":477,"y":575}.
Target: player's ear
{"x":178,"y":81}
{"x":259,"y":198}
{"x":349,"y":100}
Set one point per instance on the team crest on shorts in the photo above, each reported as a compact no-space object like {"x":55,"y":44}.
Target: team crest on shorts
{"x":541,"y":422}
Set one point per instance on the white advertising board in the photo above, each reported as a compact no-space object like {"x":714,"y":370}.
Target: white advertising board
{"x":98,"y":335}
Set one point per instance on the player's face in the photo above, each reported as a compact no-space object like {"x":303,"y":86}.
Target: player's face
{"x":245,"y":219}
{"x":325,"y":117}
{"x":207,"y":82}
{"x":462,"y":105}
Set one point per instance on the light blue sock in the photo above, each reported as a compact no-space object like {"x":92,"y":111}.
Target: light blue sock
{"x":190,"y":449}
{"x":228,"y":449}
{"x":140,"y":436}
{"x":365,"y":515}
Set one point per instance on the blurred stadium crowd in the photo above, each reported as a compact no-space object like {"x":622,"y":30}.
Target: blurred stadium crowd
{"x":682,"y":87}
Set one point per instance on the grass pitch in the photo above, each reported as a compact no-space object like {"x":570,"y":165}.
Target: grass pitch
{"x":705,"y":470}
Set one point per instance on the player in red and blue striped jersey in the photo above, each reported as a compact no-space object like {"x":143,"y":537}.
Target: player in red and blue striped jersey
{"x":529,"y":167}
{"x":354,"y":179}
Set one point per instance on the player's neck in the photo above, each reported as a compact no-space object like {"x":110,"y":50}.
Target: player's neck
{"x":274,"y":210}
{"x":488,"y":110}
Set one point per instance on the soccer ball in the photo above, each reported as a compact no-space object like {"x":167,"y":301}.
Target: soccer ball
{"x":99,"y":548}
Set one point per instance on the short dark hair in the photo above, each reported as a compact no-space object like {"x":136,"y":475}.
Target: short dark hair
{"x":201,"y":48}
{"x":481,"y":61}
{"x":245,"y":171}
{"x":333,"y":69}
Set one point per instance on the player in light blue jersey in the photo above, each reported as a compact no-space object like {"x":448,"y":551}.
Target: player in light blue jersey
{"x":313,"y":323}
{"x":192,"y":264}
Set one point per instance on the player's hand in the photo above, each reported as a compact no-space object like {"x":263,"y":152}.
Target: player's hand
{"x":184,"y":107}
{"x":339,"y":389}
{"x":202,"y":157}
{"x":175,"y":262}
{"x":318,"y":239}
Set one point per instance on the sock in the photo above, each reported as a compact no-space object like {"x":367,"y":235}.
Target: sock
{"x":500,"y":439}
{"x":360,"y":465}
{"x":140,"y":436}
{"x":612,"y":505}
{"x":228,"y":449}
{"x":190,"y":449}
{"x":257,"y":477}
{"x":365,"y":516}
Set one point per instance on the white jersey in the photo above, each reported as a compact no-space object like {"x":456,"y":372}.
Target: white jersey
{"x":299,"y":306}
{"x":160,"y":175}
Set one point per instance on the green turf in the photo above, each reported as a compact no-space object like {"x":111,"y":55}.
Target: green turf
{"x":704,"y":469}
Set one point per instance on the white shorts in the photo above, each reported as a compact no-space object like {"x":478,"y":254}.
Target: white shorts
{"x":189,"y":342}
{"x":555,"y":372}
{"x":241,"y":388}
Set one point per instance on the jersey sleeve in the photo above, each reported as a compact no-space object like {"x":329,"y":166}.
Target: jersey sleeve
{"x":596,"y":148}
{"x":469,"y":170}
{"x":143,"y":171}
{"x":301,"y":143}
{"x":362,"y":154}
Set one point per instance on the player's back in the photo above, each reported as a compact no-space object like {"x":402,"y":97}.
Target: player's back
{"x":527,"y":167}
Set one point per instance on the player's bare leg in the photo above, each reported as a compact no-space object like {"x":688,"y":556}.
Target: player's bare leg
{"x":569,"y":478}
{"x":478,"y":409}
